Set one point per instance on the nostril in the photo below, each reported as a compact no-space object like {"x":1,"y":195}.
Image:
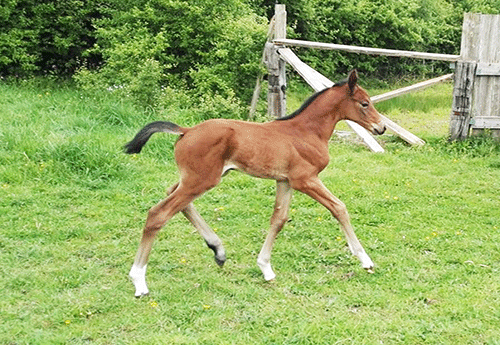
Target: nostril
{"x":379,"y":131}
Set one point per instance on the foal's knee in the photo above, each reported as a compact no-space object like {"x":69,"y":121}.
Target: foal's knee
{"x":279,"y":218}
{"x":280,"y":221}
{"x":339,"y":210}
{"x":153,"y":222}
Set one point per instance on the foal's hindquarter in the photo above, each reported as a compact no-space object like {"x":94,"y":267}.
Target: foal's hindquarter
{"x":281,"y":150}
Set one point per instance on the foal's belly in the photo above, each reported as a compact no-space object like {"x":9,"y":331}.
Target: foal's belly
{"x":261,"y":171}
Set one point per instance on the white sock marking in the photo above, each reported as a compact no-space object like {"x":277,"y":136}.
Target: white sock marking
{"x":138,"y":276}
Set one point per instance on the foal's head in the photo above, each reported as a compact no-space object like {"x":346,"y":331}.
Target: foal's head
{"x":359,"y":108}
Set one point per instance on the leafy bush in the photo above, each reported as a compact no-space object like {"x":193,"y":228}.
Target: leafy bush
{"x":48,"y":36}
{"x":194,"y":44}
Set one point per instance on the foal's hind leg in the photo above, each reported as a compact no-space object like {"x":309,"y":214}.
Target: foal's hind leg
{"x":279,"y":218}
{"x":213,"y":241}
{"x":158,"y":216}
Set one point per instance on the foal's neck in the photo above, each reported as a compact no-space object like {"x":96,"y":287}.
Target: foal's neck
{"x":321,"y":117}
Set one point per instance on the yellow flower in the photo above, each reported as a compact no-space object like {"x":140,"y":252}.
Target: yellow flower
{"x":67,"y":322}
{"x":458,"y":233}
{"x":153,"y":304}
{"x":434,"y":233}
{"x":338,"y":238}
{"x":396,"y":198}
{"x":183,"y":261}
{"x":206,"y":307}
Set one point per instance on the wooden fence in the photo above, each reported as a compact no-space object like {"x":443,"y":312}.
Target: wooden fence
{"x":476,"y":95}
{"x":466,"y":94}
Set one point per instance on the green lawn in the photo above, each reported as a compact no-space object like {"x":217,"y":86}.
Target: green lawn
{"x":72,"y":206}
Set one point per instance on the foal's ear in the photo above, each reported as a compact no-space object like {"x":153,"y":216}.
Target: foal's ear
{"x":353,"y":79}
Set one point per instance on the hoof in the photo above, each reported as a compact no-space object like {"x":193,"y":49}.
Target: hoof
{"x":266,"y":269}
{"x":219,"y":254}
{"x":269,"y":277}
{"x":220,"y":260}
{"x":370,"y":270}
{"x":141,"y":294}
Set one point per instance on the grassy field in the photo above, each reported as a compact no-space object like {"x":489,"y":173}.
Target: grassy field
{"x":72,"y":206}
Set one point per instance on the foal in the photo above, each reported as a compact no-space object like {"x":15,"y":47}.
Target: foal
{"x":292,"y":151}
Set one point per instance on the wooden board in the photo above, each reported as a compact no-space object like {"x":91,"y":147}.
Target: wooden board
{"x":488,"y":69}
{"x":412,"y":88}
{"x":366,"y":50}
{"x":486,"y":122}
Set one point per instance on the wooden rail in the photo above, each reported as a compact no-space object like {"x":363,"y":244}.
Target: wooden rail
{"x":412,"y":88}
{"x":366,"y":50}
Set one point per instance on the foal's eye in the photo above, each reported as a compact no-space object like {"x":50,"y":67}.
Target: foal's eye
{"x":365,"y":104}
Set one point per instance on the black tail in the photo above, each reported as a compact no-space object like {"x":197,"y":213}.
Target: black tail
{"x":136,"y":144}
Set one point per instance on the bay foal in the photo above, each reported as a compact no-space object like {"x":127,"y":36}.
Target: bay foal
{"x":292,"y":151}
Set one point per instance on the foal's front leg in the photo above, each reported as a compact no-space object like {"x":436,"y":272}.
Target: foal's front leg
{"x":316,"y":190}
{"x":279,"y":218}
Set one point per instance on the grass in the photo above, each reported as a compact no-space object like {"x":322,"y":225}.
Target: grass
{"x":72,"y":207}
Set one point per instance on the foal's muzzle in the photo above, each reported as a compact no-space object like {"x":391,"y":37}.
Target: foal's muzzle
{"x":378,"y":129}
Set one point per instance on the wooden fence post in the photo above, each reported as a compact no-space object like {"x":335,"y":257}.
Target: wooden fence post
{"x":276,"y":96}
{"x":462,"y":100}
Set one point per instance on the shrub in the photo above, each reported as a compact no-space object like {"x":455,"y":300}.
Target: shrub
{"x":152,"y":43}
{"x":48,"y":36}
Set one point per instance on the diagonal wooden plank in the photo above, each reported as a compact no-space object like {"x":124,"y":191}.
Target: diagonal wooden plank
{"x":411,"y":88}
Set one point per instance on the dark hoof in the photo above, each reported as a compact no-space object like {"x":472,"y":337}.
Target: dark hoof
{"x":220,"y":260}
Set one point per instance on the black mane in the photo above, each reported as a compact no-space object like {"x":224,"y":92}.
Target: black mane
{"x":308,"y":102}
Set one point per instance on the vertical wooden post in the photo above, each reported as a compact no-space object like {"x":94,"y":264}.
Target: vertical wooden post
{"x":276,"y":96}
{"x":462,"y":100}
